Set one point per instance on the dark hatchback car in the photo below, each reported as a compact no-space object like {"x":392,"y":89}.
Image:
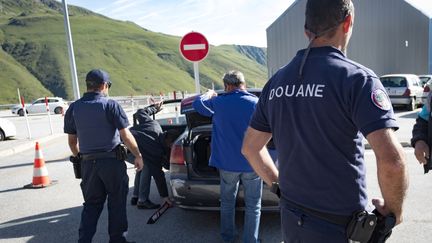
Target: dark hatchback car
{"x":195,"y":184}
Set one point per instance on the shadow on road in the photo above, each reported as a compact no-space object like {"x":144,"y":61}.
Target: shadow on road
{"x":176,"y":225}
{"x":55,"y":226}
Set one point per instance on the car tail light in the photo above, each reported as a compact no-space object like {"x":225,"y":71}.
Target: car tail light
{"x":176,"y":156}
{"x":426,"y":89}
{"x":407,"y":92}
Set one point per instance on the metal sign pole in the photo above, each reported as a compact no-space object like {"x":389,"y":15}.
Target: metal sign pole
{"x":196,"y":75}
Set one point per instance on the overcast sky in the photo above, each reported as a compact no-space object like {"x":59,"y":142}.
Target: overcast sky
{"x":221,"y":21}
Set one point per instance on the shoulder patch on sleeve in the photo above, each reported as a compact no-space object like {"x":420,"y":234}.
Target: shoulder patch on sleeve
{"x":381,"y":99}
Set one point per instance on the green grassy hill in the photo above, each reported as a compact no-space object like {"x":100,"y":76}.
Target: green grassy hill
{"x":34,"y":54}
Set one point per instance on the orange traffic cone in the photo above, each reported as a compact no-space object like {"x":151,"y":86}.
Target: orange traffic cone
{"x":40,"y":172}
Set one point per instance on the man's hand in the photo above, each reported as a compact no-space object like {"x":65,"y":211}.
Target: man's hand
{"x":211,"y":93}
{"x":379,"y":204}
{"x":158,"y":106}
{"x":139,"y":163}
{"x":421,"y":151}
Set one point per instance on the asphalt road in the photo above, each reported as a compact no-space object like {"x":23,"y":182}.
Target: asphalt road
{"x":52,"y":214}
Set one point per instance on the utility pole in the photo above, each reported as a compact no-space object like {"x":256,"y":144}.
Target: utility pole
{"x":71,"y":52}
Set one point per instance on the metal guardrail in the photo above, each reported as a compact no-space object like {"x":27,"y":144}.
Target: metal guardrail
{"x":6,"y":107}
{"x":129,"y":101}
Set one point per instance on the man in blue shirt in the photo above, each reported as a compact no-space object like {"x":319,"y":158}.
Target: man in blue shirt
{"x":94,"y":125}
{"x":318,"y":108}
{"x":230,"y":114}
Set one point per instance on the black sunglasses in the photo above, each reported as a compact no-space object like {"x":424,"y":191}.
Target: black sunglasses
{"x":109,"y":85}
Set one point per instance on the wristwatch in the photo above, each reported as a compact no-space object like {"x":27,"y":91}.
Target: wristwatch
{"x":275,"y":188}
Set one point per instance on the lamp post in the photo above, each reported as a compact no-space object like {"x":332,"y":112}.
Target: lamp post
{"x":71,"y":52}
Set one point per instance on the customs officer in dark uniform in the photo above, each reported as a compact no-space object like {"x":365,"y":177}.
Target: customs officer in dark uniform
{"x":94,"y":125}
{"x":318,"y":109}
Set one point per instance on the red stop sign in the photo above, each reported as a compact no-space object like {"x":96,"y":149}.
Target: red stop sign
{"x":194,"y":47}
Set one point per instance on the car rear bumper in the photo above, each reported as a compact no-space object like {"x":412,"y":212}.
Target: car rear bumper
{"x":400,"y":100}
{"x":205,"y":195}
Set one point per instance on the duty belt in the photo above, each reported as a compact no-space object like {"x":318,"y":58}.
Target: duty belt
{"x":332,"y":218}
{"x":100,"y":155}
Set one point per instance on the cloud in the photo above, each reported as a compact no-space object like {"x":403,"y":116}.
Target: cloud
{"x":222,"y":21}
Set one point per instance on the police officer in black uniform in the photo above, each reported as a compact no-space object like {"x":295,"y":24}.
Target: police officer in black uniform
{"x":318,"y":109}
{"x":94,"y":125}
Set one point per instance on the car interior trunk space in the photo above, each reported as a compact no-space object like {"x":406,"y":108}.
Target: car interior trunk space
{"x":202,"y":153}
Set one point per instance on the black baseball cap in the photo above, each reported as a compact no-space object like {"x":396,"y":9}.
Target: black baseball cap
{"x":98,"y":76}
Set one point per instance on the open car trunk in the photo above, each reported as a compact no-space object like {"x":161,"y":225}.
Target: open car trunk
{"x":197,"y":143}
{"x":197,"y":154}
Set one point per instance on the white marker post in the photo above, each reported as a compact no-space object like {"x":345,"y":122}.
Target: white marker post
{"x":133,"y":106}
{"x":176,"y":115}
{"x":49,"y":115}
{"x":21,"y":99}
{"x":194,"y":47}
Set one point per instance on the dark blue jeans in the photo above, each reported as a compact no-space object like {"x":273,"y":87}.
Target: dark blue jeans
{"x":104,"y":178}
{"x":300,"y":227}
{"x":252,"y":185}
{"x":143,"y":181}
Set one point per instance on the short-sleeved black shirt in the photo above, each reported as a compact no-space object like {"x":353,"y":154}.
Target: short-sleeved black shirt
{"x":95,"y":119}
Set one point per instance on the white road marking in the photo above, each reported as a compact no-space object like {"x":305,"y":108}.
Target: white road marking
{"x":192,"y":47}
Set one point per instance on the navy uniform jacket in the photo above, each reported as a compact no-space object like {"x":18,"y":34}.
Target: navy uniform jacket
{"x":318,"y":124}
{"x":95,"y":120}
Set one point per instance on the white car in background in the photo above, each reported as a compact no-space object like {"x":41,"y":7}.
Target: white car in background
{"x":56,"y":105}
{"x":7,"y":129}
{"x":403,"y":89}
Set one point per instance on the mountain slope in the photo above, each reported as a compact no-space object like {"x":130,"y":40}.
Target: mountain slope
{"x":139,"y":61}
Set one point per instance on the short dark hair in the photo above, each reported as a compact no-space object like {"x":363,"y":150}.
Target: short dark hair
{"x":324,"y":15}
{"x":93,"y":85}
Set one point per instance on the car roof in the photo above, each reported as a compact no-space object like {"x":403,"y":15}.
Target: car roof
{"x":399,"y":75}
{"x":50,"y":98}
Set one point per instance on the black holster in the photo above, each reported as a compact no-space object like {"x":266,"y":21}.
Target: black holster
{"x":383,"y":228}
{"x":361,"y":226}
{"x":121,"y":152}
{"x":76,"y":162}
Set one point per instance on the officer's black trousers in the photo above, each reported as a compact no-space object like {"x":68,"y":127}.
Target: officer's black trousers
{"x":301,"y":227}
{"x":102,"y":178}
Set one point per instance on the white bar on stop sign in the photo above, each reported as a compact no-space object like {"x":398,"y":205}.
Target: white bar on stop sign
{"x":191,"y":47}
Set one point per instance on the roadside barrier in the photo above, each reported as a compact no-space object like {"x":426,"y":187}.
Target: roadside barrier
{"x":40,"y":172}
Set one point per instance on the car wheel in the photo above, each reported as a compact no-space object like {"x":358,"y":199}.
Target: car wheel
{"x":2,"y":135}
{"x":412,"y":105}
{"x":21,"y":112}
{"x":58,"y":110}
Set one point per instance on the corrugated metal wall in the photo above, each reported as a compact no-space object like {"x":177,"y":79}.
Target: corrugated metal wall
{"x":390,"y":36}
